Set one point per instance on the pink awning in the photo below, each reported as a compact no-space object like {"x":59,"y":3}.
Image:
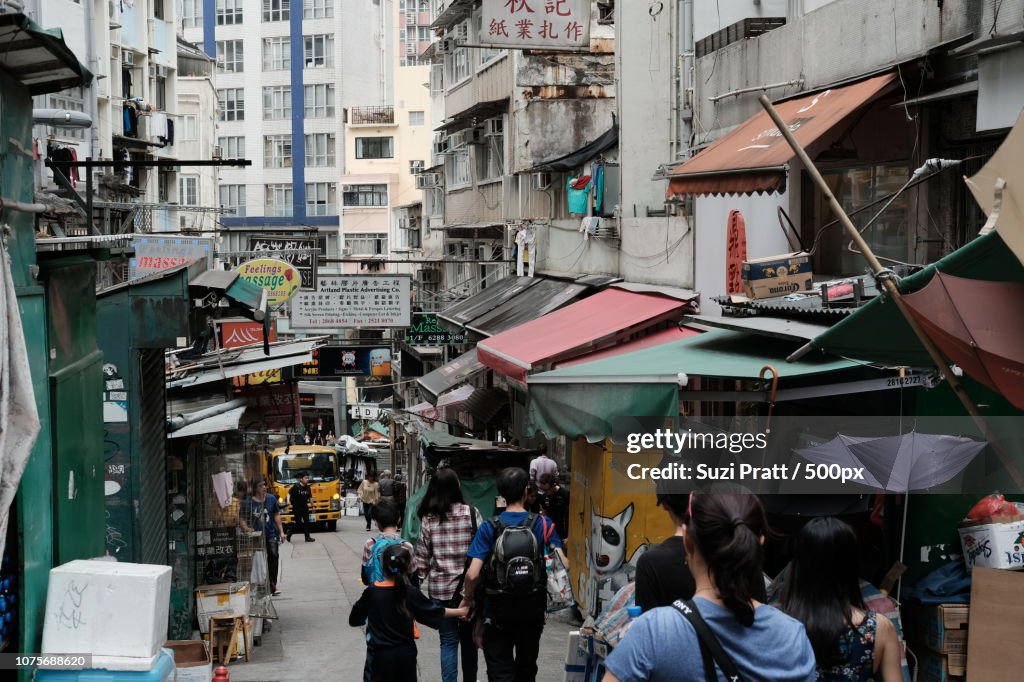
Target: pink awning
{"x":593,"y":324}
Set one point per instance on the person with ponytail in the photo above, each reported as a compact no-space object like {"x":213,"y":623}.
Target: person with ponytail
{"x":851,"y":644}
{"x":725,"y":631}
{"x":390,"y":609}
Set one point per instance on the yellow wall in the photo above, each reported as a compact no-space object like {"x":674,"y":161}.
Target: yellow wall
{"x":605,"y":506}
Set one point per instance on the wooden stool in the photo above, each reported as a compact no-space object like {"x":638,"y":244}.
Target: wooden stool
{"x":228,"y":628}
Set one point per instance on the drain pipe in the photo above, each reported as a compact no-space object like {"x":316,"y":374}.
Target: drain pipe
{"x":756,"y":88}
{"x":180,"y":421}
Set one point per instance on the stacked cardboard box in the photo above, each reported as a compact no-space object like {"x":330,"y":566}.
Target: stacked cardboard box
{"x":938,"y":635}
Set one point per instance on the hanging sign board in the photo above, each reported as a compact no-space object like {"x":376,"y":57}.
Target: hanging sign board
{"x":425,"y":331}
{"x":281,"y":280}
{"x":536,"y":24}
{"x":300,"y":252}
{"x":154,"y":254}
{"x":342,"y":301}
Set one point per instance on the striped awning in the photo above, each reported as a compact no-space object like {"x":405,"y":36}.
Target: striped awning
{"x":38,"y":57}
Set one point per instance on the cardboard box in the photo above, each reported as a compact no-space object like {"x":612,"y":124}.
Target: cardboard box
{"x":107,"y":608}
{"x":940,"y":627}
{"x":191,"y":659}
{"x":575,"y":659}
{"x":781,"y":275}
{"x":997,"y":621}
{"x":935,"y":667}
{"x":229,"y":599}
{"x":996,"y":542}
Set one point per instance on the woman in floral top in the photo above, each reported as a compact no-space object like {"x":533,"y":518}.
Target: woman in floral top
{"x":447,"y":527}
{"x":851,"y":644}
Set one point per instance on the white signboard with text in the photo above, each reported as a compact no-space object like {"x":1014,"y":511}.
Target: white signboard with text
{"x":353,"y":301}
{"x":536,"y":24}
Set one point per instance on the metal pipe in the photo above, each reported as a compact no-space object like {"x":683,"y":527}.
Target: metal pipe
{"x":755,"y":88}
{"x":12,"y":205}
{"x":180,"y":421}
{"x":894,"y":293}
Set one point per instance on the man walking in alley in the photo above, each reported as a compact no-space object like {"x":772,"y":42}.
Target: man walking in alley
{"x":542,"y":464}
{"x":554,"y":502}
{"x":511,"y":546}
{"x":299,"y":498}
{"x":265,"y":515}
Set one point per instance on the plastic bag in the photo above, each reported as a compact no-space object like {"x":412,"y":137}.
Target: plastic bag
{"x":992,"y":505}
{"x":559,"y":587}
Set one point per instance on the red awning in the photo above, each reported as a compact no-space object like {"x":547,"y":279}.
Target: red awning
{"x":594,"y":323}
{"x":755,"y":157}
{"x":655,"y":339}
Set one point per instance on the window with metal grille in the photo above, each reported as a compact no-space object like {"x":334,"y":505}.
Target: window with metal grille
{"x":277,"y":54}
{"x":490,"y":158}
{"x":317,"y":9}
{"x":277,"y":151}
{"x":229,"y":12}
{"x":232,"y":147}
{"x":279,"y":200}
{"x":356,"y":196}
{"x":233,"y":197}
{"x":318,"y":51}
{"x":367,"y":243}
{"x":319,"y":100}
{"x":375,"y":147}
{"x":321,"y":198}
{"x":277,"y":102}
{"x":276,"y":10}
{"x":232,"y":104}
{"x":319,"y":150}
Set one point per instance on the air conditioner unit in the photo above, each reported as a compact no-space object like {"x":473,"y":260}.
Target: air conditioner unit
{"x":461,"y":33}
{"x":428,"y":180}
{"x":415,"y":167}
{"x":218,"y":152}
{"x":541,"y":181}
{"x":157,"y":71}
{"x":442,"y":144}
{"x":445,"y":46}
{"x":115,"y":53}
{"x":128,"y":57}
{"x":347,"y":251}
{"x":494,"y":127}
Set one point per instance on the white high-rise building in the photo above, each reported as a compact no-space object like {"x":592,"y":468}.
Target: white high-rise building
{"x":286,"y":72}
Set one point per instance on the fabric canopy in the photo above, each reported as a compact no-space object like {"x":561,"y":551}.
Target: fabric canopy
{"x":754,"y":157}
{"x":573,"y":160}
{"x":458,"y":371}
{"x":39,"y":57}
{"x":1004,"y":166}
{"x":584,"y":400}
{"x":879,"y":333}
{"x":656,"y":339}
{"x":591,"y":324}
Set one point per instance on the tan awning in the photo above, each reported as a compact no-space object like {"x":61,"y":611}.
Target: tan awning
{"x":754,"y":157}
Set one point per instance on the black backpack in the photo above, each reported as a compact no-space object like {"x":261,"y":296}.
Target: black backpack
{"x":517,"y":561}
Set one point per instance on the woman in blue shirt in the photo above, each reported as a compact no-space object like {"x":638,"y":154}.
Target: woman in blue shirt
{"x":723,"y":539}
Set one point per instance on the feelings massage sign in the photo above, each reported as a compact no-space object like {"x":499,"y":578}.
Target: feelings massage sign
{"x":280,"y":279}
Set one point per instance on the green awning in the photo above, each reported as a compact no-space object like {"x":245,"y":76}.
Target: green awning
{"x":245,"y":292}
{"x":446,"y":440}
{"x":357,"y":428}
{"x":583,"y":400}
{"x":879,"y":333}
{"x":37,"y":57}
{"x":479,"y":492}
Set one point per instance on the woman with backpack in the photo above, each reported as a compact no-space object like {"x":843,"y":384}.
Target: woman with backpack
{"x":447,"y":527}
{"x":851,"y":644}
{"x":390,"y":609}
{"x":724,"y":629}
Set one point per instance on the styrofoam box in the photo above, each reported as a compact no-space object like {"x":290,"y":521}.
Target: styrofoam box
{"x":107,"y":608}
{"x":998,"y":544}
{"x":228,"y":599}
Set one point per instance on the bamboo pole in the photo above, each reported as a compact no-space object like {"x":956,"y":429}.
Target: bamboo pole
{"x":897,"y":298}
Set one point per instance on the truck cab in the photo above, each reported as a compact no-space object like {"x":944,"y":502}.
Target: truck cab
{"x":282,"y":467}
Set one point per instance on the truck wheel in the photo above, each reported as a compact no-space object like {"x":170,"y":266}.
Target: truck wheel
{"x":332,"y":526}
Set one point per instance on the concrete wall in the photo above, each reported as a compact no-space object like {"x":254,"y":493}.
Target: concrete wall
{"x":198,"y":97}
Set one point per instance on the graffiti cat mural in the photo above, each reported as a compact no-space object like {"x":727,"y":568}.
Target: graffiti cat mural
{"x":609,"y":568}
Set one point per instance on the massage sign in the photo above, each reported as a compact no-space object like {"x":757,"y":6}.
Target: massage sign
{"x":280,"y":280}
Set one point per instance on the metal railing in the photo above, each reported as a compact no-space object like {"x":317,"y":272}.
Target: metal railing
{"x":371,"y":116}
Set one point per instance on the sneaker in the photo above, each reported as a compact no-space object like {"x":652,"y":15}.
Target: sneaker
{"x":275,"y":593}
{"x":308,"y":539}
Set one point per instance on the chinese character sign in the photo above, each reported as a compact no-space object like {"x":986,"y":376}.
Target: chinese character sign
{"x":536,"y":24}
{"x":299,"y":252}
{"x":342,"y":301}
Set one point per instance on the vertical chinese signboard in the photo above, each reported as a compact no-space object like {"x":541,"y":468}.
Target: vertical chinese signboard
{"x":536,"y":24}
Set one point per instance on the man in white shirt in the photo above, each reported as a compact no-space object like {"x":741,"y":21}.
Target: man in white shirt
{"x":542,"y":464}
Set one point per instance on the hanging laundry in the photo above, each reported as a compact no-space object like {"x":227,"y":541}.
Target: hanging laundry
{"x":598,"y":189}
{"x":526,"y":251}
{"x":589,"y":225}
{"x":75,"y":177}
{"x":158,"y":126}
{"x":578,"y":190}
{"x":170,"y":132}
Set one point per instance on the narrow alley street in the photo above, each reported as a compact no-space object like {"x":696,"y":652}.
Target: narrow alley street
{"x":312,"y":639}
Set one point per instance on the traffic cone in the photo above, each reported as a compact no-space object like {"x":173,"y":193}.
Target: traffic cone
{"x":221,"y":674}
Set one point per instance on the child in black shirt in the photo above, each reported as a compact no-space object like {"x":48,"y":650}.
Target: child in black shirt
{"x":389,"y":609}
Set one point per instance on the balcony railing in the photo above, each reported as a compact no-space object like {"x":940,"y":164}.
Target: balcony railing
{"x":359,"y":116}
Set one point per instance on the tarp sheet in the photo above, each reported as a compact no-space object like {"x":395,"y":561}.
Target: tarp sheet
{"x":479,"y":492}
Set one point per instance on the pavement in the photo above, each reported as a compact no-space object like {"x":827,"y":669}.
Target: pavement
{"x":312,"y":639}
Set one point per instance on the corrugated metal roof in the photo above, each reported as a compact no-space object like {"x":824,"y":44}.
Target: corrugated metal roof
{"x":487,"y":300}
{"x":764,"y":325}
{"x":546,"y":296}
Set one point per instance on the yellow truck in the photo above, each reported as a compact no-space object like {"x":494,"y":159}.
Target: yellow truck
{"x":282,"y":467}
